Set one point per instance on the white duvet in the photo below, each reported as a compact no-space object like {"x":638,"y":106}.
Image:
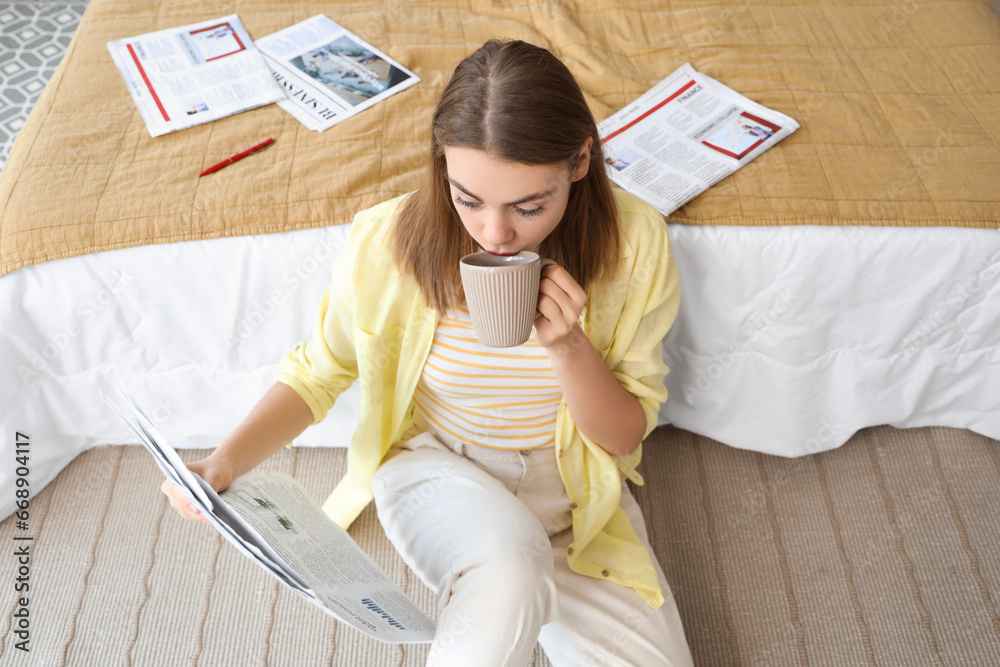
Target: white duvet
{"x":789,"y":339}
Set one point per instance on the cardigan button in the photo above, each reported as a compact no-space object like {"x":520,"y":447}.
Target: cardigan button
{"x":569,"y":550}
{"x":605,"y":573}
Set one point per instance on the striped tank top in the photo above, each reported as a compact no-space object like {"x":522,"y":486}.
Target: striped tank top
{"x":504,"y":398}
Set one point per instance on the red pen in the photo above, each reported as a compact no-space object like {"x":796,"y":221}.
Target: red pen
{"x":239,"y":156}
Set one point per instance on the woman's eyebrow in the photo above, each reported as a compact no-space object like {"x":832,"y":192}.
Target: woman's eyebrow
{"x":522,"y":200}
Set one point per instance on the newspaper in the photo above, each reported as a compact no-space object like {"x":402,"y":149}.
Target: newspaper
{"x":271,"y":519}
{"x":684,"y":135}
{"x":330,"y":73}
{"x":194,"y":74}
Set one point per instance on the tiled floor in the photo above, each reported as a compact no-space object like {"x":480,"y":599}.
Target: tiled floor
{"x":33,"y":39}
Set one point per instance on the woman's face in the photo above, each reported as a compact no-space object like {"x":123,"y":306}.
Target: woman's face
{"x":508,"y":207}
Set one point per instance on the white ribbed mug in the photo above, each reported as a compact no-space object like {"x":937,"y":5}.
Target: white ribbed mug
{"x":502,"y":294}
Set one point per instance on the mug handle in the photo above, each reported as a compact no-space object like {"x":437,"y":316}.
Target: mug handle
{"x":545,"y":261}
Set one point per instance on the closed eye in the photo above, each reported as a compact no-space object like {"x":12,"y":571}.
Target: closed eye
{"x":524,"y":212}
{"x":529,"y":212}
{"x":465,"y":203}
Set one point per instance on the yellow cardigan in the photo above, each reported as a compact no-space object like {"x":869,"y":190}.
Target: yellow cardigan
{"x":375,"y":325}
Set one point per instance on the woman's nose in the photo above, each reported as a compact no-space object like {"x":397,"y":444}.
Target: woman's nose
{"x":497,"y":230}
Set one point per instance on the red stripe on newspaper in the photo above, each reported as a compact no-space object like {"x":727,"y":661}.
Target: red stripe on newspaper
{"x":145,"y":78}
{"x":744,"y":114}
{"x":730,"y":153}
{"x":666,"y":101}
{"x":231,"y":32}
{"x":761,"y":121}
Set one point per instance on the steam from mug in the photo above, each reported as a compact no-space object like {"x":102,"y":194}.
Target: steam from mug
{"x":502,"y":294}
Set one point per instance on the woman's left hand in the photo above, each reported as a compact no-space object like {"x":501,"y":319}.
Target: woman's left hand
{"x":560,"y":302}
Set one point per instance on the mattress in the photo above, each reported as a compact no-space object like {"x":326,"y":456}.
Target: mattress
{"x":788,"y":340}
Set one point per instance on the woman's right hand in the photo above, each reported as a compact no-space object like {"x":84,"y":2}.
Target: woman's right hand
{"x":278,"y":418}
{"x":217,"y":471}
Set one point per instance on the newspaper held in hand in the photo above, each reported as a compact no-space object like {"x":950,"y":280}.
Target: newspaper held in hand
{"x":271,"y":519}
{"x":186,"y":76}
{"x":684,"y":135}
{"x":330,"y":73}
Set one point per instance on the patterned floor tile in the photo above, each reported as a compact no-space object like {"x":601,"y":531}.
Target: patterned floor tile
{"x":33,"y":39}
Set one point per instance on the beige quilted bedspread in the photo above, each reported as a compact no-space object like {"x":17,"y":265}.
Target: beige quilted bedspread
{"x":897,"y":100}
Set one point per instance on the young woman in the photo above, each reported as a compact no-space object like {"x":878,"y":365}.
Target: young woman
{"x":499,"y":474}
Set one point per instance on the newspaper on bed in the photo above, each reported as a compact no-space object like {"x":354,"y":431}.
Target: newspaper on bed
{"x":330,"y":73}
{"x":685,"y":134}
{"x":194,"y":74}
{"x":271,"y":519}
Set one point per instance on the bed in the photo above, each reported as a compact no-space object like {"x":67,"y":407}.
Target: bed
{"x":847,"y":278}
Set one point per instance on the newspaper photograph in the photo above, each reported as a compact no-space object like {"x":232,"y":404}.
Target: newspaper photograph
{"x":684,"y":135}
{"x":195,"y":74}
{"x":329,"y":73}
{"x":271,"y":519}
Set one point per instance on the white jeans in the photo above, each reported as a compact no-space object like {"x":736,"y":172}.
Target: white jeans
{"x":488,"y":530}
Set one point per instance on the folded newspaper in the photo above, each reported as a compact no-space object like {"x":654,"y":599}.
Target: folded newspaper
{"x":271,"y":519}
{"x":330,"y":73}
{"x":186,"y":76}
{"x":684,"y":135}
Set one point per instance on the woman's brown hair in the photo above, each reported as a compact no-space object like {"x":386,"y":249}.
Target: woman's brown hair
{"x":515,"y":102}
